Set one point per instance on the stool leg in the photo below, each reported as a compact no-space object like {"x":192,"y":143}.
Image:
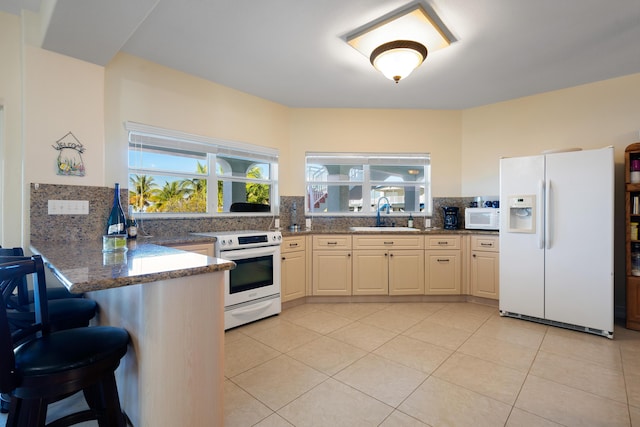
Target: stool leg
{"x":113,"y":412}
{"x":14,"y":408}
{"x":27,"y":413}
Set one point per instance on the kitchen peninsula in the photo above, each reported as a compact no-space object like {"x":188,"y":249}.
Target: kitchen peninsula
{"x":171,"y":302}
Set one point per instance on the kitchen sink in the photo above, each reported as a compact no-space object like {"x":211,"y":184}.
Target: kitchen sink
{"x":383,"y":229}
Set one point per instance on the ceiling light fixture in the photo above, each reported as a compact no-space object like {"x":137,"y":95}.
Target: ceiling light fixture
{"x":398,"y":42}
{"x":397,"y":59}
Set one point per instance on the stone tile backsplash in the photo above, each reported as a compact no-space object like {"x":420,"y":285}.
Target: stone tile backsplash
{"x":92,"y":226}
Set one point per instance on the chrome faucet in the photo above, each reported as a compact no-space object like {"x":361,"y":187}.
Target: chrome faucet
{"x":379,"y":221}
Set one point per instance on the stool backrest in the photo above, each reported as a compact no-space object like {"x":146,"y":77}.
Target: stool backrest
{"x":23,"y":288}
{"x":12,"y":271}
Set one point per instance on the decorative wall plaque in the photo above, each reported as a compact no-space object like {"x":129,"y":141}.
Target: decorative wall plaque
{"x":69,"y":160}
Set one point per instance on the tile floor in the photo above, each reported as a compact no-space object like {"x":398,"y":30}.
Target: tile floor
{"x":426,"y":364}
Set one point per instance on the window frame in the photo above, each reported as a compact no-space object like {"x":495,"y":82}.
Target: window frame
{"x":367,"y":161}
{"x":143,"y":138}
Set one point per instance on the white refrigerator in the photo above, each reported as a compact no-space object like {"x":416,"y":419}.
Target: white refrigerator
{"x":556,"y":239}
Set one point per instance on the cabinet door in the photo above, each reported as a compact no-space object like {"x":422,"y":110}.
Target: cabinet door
{"x":370,"y":272}
{"x":293,"y":275}
{"x":406,"y":272}
{"x":485,"y":274}
{"x":442,"y":271}
{"x":331,"y":272}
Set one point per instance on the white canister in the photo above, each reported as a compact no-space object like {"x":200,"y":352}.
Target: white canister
{"x":635,"y":177}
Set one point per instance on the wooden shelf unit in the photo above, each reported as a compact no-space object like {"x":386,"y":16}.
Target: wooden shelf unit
{"x":632,"y":189}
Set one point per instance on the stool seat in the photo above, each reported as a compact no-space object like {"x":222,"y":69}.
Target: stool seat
{"x":63,"y":313}
{"x":71,"y":349}
{"x":54,"y":292}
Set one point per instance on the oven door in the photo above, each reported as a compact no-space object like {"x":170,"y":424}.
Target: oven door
{"x":257,"y":274}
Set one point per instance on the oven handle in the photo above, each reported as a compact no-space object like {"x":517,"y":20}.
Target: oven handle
{"x":248,"y":253}
{"x":252,"y":308}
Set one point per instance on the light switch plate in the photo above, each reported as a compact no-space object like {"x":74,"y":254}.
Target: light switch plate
{"x":68,"y":207}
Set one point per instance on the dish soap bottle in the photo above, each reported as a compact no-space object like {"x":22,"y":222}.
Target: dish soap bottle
{"x":410,"y":222}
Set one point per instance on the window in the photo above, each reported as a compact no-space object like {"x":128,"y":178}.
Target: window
{"x":361,"y":183}
{"x":176,"y":173}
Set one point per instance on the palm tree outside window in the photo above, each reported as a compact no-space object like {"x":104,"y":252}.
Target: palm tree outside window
{"x":201,"y":176}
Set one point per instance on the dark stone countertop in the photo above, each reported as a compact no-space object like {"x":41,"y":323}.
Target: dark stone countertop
{"x":82,"y":266}
{"x":386,"y":230}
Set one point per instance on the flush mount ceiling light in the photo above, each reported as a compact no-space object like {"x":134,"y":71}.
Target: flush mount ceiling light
{"x":397,"y":43}
{"x":397,"y":59}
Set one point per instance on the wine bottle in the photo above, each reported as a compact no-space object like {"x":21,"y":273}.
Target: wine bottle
{"x":132,"y":225}
{"x":116,"y":221}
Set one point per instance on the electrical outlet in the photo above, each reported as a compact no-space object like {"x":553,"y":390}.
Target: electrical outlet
{"x":68,"y":207}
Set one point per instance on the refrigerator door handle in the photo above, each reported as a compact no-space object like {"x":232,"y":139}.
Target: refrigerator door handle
{"x":540,"y":231}
{"x":547,"y":213}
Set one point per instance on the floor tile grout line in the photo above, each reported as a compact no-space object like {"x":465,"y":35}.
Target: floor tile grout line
{"x":624,"y":379}
{"x":515,"y":401}
{"x":474,"y":333}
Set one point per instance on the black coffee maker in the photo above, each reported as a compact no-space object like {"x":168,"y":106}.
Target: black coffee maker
{"x":450,"y":217}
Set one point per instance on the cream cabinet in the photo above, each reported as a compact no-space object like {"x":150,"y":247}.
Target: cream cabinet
{"x":388,"y":265}
{"x":294,"y":268}
{"x":484,"y":266}
{"x":331,"y":265}
{"x":200,"y":248}
{"x":443,"y":265}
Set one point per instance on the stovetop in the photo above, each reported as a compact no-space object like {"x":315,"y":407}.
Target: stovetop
{"x":239,"y":239}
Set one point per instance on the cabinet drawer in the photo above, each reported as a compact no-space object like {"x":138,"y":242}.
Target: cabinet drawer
{"x":290,"y":244}
{"x":388,"y":241}
{"x":484,"y":243}
{"x":334,"y":241}
{"x":443,"y":242}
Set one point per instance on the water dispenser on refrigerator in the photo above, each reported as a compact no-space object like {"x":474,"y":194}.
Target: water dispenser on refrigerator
{"x":521,"y":216}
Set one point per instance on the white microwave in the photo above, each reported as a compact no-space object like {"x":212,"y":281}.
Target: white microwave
{"x":482,"y":218}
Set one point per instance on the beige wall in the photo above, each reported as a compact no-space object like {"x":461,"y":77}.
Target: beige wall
{"x":354,"y":130}
{"x":144,"y":92}
{"x":62,"y":95}
{"x":588,"y":116}
{"x":10,"y":131}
